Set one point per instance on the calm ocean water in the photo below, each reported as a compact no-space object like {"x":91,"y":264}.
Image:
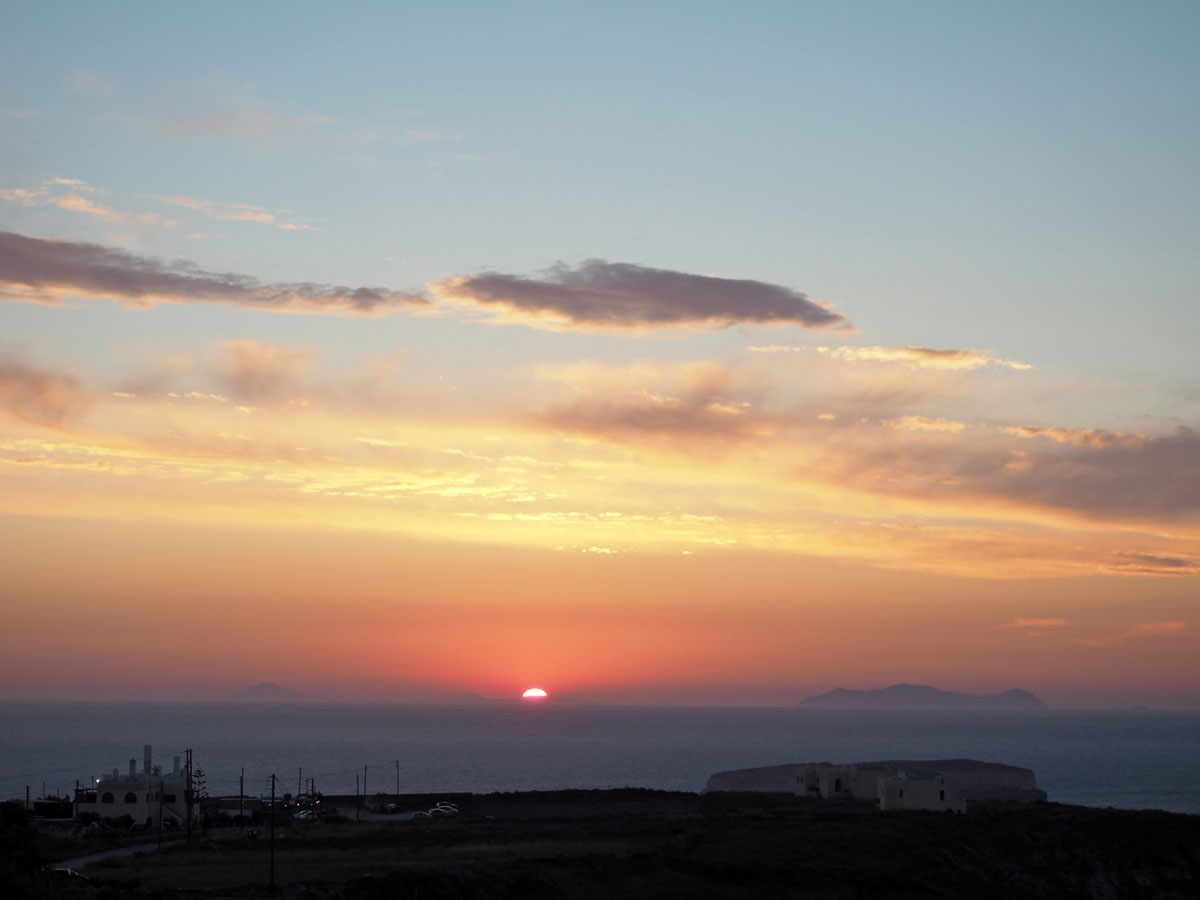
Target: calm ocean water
{"x":1130,"y":760}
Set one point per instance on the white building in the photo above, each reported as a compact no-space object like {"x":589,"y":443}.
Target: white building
{"x":148,"y":797}
{"x":848,"y":782}
{"x":918,"y":790}
{"x":945,"y":784}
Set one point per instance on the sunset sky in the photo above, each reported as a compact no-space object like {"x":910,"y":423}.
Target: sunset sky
{"x":663,"y":353}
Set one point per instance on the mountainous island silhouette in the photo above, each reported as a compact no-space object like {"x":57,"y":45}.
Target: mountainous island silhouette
{"x":921,"y":696}
{"x":269,"y":692}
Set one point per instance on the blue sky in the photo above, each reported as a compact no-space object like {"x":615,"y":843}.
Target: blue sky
{"x":1033,"y":164}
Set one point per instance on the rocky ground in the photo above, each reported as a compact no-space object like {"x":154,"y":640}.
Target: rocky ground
{"x":652,"y":844}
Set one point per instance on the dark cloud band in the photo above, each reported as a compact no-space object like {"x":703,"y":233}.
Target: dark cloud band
{"x":600,"y":294}
{"x":45,"y":269}
{"x":594,"y":295}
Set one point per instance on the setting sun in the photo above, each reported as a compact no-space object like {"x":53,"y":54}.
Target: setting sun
{"x":534,"y":694}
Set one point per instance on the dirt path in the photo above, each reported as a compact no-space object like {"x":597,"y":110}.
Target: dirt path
{"x":78,"y":862}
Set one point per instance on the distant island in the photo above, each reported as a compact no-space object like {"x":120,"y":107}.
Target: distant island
{"x":921,"y":696}
{"x":269,"y":692}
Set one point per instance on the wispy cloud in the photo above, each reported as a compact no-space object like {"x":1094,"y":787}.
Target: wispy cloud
{"x":255,"y":371}
{"x":647,"y":401}
{"x":933,"y":460}
{"x":923,"y":423}
{"x":39,"y":395}
{"x":776,"y":348}
{"x":1079,"y":437}
{"x":922,"y":357}
{"x":598,"y":294}
{"x":89,"y":81}
{"x":1135,"y":476}
{"x":647,"y":456}
{"x":47,"y":271}
{"x":1156,"y":564}
{"x":76,"y":203}
{"x":21,"y":196}
{"x":1148,"y":478}
{"x":69,"y":194}
{"x":1141,"y":630}
{"x":1035,"y":623}
{"x":237,"y":118}
{"x":235,"y":212}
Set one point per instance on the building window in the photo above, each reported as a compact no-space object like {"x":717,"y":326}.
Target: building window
{"x":837,"y":784}
{"x":941,"y":795}
{"x":168,"y":798}
{"x":106,"y":797}
{"x":901,"y":792}
{"x":131,"y":798}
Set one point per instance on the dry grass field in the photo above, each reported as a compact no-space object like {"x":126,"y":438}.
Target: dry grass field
{"x":632,"y":843}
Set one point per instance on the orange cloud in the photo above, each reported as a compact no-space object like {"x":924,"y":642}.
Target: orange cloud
{"x":41,"y":396}
{"x":1079,"y":437}
{"x":50,"y":193}
{"x":924,"y":423}
{"x":233,"y":212}
{"x":1142,"y":630}
{"x":683,"y":458}
{"x":256,"y":371}
{"x":1156,"y":628}
{"x":1035,"y":623}
{"x":76,"y":203}
{"x":648,"y":401}
{"x":922,"y":357}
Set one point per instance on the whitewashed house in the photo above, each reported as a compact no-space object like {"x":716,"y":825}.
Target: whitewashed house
{"x":848,"y":782}
{"x":918,"y":790}
{"x":148,"y":797}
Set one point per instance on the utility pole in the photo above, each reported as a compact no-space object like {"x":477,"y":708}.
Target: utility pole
{"x":364,"y":784}
{"x":299,"y":783}
{"x":242,"y":794}
{"x":160,"y":812}
{"x":77,"y":798}
{"x":397,"y":779}
{"x":272,"y":834}
{"x":187,"y":794}
{"x":357,"y":799}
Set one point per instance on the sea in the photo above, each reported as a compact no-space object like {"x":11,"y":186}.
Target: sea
{"x":1122,"y":759}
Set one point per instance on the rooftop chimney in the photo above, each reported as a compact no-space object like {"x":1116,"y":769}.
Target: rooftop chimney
{"x":146,"y":767}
